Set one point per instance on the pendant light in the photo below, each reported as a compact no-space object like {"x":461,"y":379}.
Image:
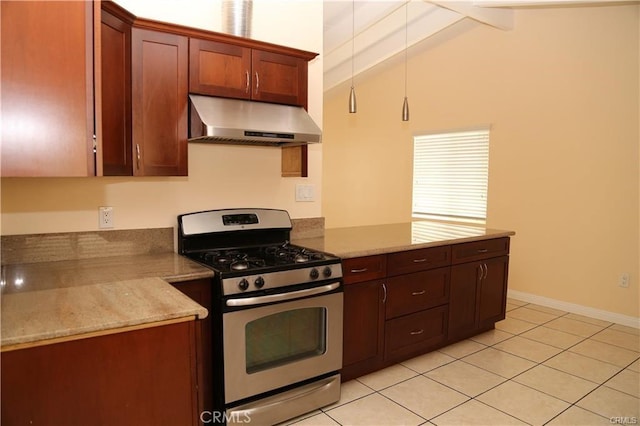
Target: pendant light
{"x":405,"y":104}
{"x":352,"y":94}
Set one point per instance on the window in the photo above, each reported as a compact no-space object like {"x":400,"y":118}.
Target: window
{"x":450,"y":174}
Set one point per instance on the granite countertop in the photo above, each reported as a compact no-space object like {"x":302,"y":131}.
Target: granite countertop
{"x":380,"y":239}
{"x":74,"y":298}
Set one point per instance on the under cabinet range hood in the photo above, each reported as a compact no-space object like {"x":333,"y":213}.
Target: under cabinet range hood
{"x":234,"y":121}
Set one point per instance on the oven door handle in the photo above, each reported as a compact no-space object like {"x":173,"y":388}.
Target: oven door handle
{"x":260,"y":300}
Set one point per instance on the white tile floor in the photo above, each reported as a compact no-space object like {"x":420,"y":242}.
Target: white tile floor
{"x":539,"y":366}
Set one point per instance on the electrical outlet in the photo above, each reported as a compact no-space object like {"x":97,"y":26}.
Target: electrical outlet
{"x":105,"y":217}
{"x":624,"y":280}
{"x":305,"y":192}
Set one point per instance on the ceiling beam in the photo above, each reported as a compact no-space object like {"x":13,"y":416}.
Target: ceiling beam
{"x":496,"y":17}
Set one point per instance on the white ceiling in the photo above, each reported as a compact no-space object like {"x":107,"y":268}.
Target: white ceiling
{"x":380,"y":30}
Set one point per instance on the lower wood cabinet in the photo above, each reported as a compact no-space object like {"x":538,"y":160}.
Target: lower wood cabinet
{"x":478,"y":286}
{"x":415,"y":334}
{"x":140,"y":377}
{"x":363,"y":333}
{"x":405,"y":304}
{"x":200,"y":292}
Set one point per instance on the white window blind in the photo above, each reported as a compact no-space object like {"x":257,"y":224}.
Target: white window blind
{"x":450,"y":175}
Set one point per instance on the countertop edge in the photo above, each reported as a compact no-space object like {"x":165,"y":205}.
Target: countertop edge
{"x":395,"y":249}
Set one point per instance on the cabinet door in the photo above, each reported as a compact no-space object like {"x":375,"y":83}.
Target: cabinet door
{"x":279,"y":78}
{"x":462,"y":299}
{"x":115,"y":50}
{"x":200,"y":292}
{"x":492,"y":292}
{"x":160,"y":85}
{"x":139,"y":377}
{"x":219,"y":69}
{"x":414,"y":334}
{"x":418,"y":291}
{"x":47,"y":88}
{"x":363,"y":328}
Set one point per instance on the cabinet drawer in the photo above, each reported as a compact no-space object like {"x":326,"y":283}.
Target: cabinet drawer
{"x":359,"y":269}
{"x":414,"y":292}
{"x":418,"y":260}
{"x":468,"y":252}
{"x":416,"y":332}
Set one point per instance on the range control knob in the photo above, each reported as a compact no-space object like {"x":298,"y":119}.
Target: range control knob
{"x":259,"y":282}
{"x":314,"y":274}
{"x":243,"y":284}
{"x":326,"y":272}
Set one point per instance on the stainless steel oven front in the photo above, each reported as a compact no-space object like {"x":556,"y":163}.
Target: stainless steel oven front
{"x":274,"y":341}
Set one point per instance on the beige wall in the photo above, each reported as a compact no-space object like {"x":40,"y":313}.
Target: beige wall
{"x":220,"y":176}
{"x":561,"y":92}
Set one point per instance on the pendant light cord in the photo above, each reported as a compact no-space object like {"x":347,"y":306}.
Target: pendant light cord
{"x":353,"y":37}
{"x":406,"y":43}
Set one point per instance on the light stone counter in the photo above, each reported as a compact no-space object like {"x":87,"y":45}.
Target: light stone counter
{"x":379,"y":239}
{"x":47,"y":301}
{"x":34,"y":317}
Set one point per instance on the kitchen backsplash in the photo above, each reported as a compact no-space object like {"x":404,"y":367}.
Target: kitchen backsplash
{"x":84,"y":245}
{"x":34,"y":248}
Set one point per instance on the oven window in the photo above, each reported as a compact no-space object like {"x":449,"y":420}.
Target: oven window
{"x":285,"y":337}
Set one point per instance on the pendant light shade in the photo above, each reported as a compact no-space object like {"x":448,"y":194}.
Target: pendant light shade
{"x":405,"y":104}
{"x":405,"y":109}
{"x":352,"y":94}
{"x":352,"y":101}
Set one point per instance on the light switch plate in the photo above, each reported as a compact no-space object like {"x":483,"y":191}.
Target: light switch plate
{"x":305,"y":192}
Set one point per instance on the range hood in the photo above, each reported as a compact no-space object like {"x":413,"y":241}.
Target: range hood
{"x":233,"y":121}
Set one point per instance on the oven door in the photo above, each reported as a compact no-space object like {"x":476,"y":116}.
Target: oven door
{"x":270,"y":346}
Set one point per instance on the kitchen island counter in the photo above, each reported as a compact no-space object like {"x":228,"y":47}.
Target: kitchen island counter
{"x":370,"y":240}
{"x":49,"y":302}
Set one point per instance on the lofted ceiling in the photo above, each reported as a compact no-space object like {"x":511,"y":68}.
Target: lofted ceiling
{"x":380,"y":31}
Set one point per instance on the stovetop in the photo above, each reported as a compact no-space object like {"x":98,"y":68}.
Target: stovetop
{"x":249,"y":251}
{"x":264,"y":258}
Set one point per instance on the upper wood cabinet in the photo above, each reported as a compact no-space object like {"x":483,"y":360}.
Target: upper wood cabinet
{"x":47,"y":88}
{"x":144,"y":83}
{"x":232,"y":71}
{"x":117,"y":156}
{"x":159,"y":80}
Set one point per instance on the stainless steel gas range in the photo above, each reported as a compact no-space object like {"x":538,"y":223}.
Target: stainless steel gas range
{"x":277,"y":315}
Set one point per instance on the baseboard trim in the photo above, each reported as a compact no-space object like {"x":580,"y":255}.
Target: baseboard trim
{"x":587,"y":311}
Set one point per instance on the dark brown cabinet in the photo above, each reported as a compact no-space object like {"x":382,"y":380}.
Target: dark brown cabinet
{"x":47,"y":88}
{"x":232,"y":71}
{"x":478,"y":287}
{"x":404,"y":304}
{"x":144,"y":83}
{"x":364,"y":315}
{"x":139,"y":377}
{"x":200,"y":292}
{"x":418,"y":294}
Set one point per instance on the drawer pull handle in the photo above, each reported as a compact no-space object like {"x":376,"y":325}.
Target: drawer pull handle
{"x":415,"y":333}
{"x":384,"y":288}
{"x":483,"y":250}
{"x":357,"y":271}
{"x":418,"y":293}
{"x":419,"y":260}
